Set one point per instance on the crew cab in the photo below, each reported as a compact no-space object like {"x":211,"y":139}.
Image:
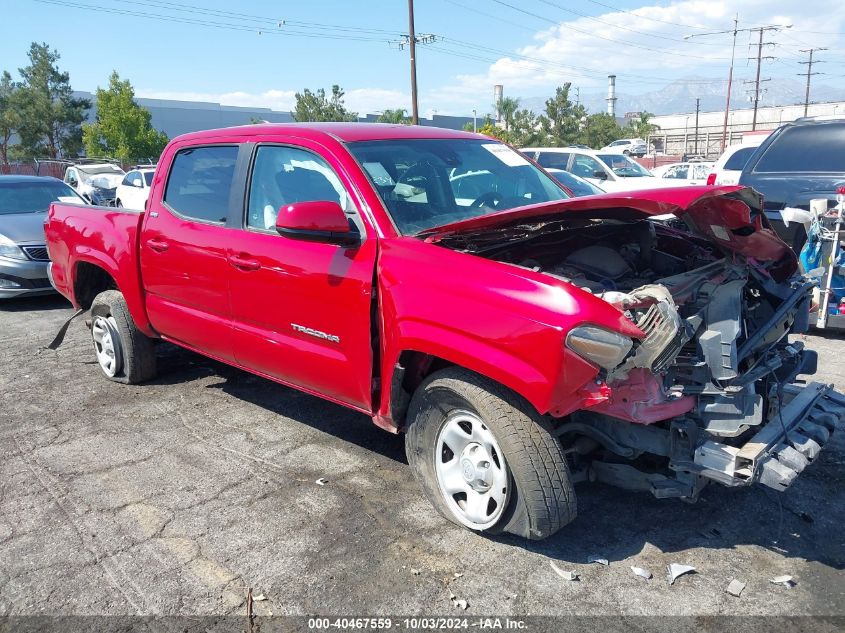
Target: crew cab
{"x":443,"y":284}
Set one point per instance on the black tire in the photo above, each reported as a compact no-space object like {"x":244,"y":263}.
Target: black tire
{"x":542,"y":498}
{"x":136,"y":352}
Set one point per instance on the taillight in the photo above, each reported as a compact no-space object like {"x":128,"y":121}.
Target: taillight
{"x":711,"y":179}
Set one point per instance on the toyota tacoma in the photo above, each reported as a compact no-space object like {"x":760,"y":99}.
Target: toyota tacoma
{"x":443,"y":284}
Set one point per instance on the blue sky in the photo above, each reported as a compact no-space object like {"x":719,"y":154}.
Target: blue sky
{"x":528,"y":45}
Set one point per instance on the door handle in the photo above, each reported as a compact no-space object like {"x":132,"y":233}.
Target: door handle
{"x":244,"y":263}
{"x":158,"y":245}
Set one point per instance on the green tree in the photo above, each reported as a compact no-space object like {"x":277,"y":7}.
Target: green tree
{"x":525,"y":129}
{"x":50,"y":116}
{"x":316,"y":106}
{"x":561,"y":123}
{"x":9,"y":119}
{"x":641,"y":126}
{"x":394,"y":116}
{"x":599,"y":130}
{"x":122,"y":128}
{"x":507,"y":107}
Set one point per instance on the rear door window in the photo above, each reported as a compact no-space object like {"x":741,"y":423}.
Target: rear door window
{"x":737,"y":160}
{"x":200,"y":182}
{"x":808,"y":148}
{"x":555,"y":160}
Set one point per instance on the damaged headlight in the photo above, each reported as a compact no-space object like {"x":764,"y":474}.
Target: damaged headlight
{"x":604,"y":348}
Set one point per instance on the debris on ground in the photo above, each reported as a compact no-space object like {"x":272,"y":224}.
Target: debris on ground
{"x":458,"y":574}
{"x":322,"y":481}
{"x":735,"y":587}
{"x":566,"y":575}
{"x":415,"y":572}
{"x":259,"y":598}
{"x":676,"y":570}
{"x":598,"y":559}
{"x":639,"y":571}
{"x":456,"y":602}
{"x":786,"y":581}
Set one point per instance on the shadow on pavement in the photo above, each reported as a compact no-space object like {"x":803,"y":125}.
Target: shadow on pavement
{"x":29,"y":304}
{"x":176,"y":365}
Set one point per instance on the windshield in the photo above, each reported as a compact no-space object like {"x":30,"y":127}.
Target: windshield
{"x":34,"y":196}
{"x":624,"y":166}
{"x":426,"y":183}
{"x":578,"y":186}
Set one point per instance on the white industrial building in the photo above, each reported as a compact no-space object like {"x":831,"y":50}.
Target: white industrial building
{"x":677,"y":133}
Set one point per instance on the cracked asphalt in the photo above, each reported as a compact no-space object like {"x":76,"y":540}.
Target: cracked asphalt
{"x":174,"y":497}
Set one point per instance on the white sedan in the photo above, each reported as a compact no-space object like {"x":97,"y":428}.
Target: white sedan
{"x":133,"y":191}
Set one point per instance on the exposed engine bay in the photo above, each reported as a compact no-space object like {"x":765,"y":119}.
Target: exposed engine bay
{"x":704,"y":395}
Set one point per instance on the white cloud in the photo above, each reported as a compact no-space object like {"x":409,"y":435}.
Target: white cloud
{"x":645,"y":47}
{"x":274,"y":99}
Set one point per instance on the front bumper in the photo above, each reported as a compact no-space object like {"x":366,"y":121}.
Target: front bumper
{"x":782,"y":448}
{"x":23,"y":277}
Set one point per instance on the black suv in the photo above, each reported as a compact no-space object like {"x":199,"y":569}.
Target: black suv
{"x":800,"y":161}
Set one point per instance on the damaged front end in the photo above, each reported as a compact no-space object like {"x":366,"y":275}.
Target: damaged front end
{"x":708,"y":392}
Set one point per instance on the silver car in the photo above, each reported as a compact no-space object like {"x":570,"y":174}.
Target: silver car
{"x":24,"y":201}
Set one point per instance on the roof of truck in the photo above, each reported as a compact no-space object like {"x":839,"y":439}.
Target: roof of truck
{"x":348,"y":132}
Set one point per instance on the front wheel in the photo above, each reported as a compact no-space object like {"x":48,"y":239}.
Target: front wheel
{"x":123,"y":352}
{"x":485,"y":459}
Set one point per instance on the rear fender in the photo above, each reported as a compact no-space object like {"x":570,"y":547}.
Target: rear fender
{"x":128,"y":284}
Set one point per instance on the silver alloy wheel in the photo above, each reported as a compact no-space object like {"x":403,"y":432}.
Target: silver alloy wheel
{"x":471,"y":470}
{"x":107,"y":345}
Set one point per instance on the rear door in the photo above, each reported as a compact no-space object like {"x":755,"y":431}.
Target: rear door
{"x":184,"y":249}
{"x":302,"y":310}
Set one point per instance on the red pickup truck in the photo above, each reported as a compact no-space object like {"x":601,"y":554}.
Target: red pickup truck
{"x":445,"y":285}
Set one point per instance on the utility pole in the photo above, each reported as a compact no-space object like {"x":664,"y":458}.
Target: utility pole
{"x":810,"y":73}
{"x":412,"y":45}
{"x":734,"y":32}
{"x":695,"y":142}
{"x":760,"y":30}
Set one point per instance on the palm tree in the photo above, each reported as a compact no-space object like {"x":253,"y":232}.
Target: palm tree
{"x":507,"y":107}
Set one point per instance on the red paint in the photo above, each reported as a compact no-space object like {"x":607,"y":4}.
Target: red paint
{"x":641,"y":398}
{"x":310,"y":216}
{"x":303,"y":313}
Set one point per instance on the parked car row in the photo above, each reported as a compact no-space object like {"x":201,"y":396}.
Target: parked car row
{"x":24,"y":201}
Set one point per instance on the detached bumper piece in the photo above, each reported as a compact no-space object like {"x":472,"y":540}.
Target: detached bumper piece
{"x":782,"y":448}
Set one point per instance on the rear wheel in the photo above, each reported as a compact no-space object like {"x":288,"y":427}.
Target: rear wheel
{"x":485,"y":459}
{"x":124,"y":354}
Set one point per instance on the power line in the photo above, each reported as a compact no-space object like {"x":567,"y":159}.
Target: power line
{"x":760,"y":30}
{"x":644,"y":17}
{"x":287,"y":32}
{"x":809,"y":73}
{"x":619,"y":26}
{"x":563,"y":25}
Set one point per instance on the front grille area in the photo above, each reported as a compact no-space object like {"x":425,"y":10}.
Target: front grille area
{"x":664,"y":335}
{"x":36,"y":253}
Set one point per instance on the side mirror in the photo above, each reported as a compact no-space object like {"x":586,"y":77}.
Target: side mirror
{"x":600,"y":174}
{"x":317,"y":221}
{"x":137,"y":183}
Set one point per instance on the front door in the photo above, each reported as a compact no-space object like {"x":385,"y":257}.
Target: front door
{"x":184,"y":250}
{"x":302,"y":310}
